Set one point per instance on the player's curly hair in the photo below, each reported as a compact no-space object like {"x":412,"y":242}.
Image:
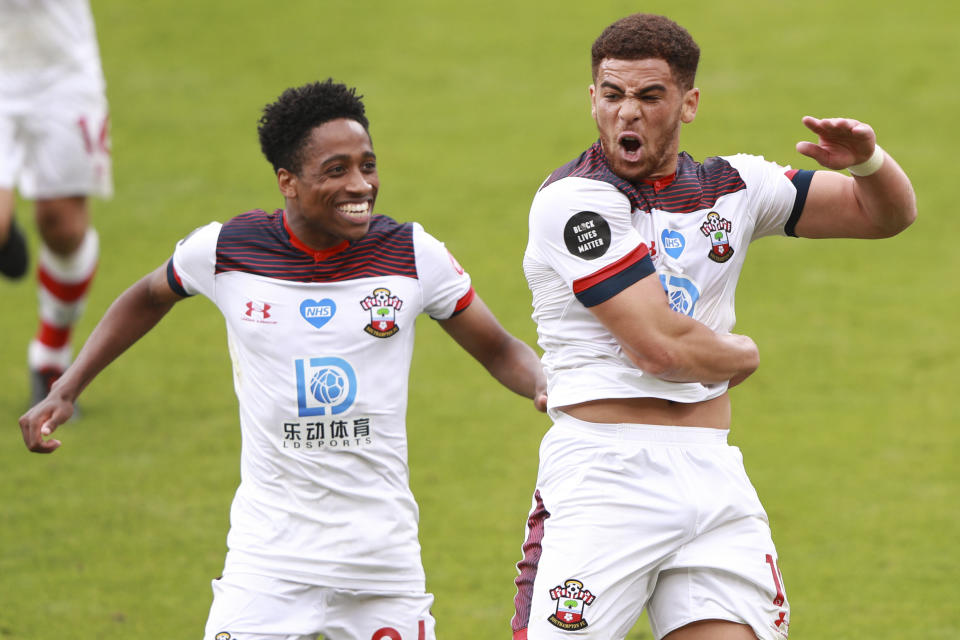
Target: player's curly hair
{"x":286,"y":124}
{"x":644,"y":35}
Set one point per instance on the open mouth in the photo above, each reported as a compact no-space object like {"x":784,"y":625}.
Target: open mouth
{"x":630,"y":144}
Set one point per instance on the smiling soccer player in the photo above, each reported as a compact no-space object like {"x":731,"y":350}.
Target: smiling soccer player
{"x":320,"y":300}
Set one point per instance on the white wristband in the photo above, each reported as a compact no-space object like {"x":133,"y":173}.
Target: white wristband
{"x":868,"y":167}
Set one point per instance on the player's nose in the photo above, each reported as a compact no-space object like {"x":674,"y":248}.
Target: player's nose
{"x":360,"y":183}
{"x":630,"y":110}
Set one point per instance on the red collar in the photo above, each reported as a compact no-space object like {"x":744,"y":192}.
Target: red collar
{"x":317,"y":256}
{"x":659,"y":184}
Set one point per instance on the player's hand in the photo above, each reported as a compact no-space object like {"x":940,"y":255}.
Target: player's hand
{"x":540,"y":390}
{"x":39,"y":423}
{"x":842,"y":142}
{"x":540,"y":400}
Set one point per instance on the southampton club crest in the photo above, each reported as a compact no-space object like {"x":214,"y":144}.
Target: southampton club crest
{"x":717,"y":229}
{"x":383,"y":307}
{"x":571,"y":599}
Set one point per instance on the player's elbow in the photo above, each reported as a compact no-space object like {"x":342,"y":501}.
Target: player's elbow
{"x":907,"y":217}
{"x":896,"y":216}
{"x":657,"y":360}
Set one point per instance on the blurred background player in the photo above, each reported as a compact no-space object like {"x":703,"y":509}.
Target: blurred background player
{"x":54,"y":150}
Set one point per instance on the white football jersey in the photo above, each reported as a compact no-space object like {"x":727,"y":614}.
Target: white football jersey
{"x":321,"y":344}
{"x":593,"y":234}
{"x":47,"y":44}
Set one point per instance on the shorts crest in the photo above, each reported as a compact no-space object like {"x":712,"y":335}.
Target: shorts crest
{"x":571,"y":599}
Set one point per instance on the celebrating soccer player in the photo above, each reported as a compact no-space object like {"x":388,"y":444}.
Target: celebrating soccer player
{"x":633,"y":259}
{"x":320,"y":300}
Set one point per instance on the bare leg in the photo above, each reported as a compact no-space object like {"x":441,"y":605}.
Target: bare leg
{"x":13,"y":246}
{"x":712,"y":630}
{"x":6,"y":213}
{"x":62,"y":223}
{"x":65,"y":268}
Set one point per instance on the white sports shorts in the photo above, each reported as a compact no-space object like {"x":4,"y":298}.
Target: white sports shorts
{"x":57,"y":146}
{"x":630,"y":516}
{"x":254,"y":607}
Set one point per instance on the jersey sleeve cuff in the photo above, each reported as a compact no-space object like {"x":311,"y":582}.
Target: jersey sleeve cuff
{"x":464,"y":302}
{"x":174,"y":280}
{"x":801,"y":180}
{"x":614,"y":278}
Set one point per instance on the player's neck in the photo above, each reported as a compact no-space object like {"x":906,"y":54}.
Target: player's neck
{"x":319,"y":249}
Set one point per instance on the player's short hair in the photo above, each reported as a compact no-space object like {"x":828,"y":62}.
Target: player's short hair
{"x":644,"y":35}
{"x":285,"y":125}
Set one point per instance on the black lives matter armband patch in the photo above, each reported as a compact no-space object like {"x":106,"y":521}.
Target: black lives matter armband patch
{"x":587,"y":235}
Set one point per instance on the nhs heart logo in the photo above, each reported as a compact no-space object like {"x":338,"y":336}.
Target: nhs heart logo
{"x":672,"y":242}
{"x":318,"y":313}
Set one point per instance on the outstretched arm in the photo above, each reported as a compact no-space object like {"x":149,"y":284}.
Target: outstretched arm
{"x":878,"y":205}
{"x":508,"y":359}
{"x":129,"y":318}
{"x":671,"y":345}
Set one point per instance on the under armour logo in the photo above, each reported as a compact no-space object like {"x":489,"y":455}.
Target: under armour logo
{"x":258,"y":310}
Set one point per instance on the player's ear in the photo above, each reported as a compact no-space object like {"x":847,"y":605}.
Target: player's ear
{"x":691,"y":100}
{"x":593,"y":101}
{"x":287,"y":182}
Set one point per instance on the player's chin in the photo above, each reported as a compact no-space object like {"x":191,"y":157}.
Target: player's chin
{"x":631,"y":170}
{"x":354,"y":229}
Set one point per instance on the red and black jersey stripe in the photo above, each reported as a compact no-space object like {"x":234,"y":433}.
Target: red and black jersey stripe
{"x":260,"y":243}
{"x":695,"y":187}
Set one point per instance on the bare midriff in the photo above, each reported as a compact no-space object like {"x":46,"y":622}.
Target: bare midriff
{"x":713,"y":413}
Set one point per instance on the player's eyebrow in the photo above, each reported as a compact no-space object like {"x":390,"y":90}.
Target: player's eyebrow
{"x":345,"y":157}
{"x":647,"y":89}
{"x":340,"y":157}
{"x":651,"y":88}
{"x":609,"y":85}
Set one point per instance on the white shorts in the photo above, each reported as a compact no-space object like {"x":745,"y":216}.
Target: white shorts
{"x":632,"y":516}
{"x":254,"y":607}
{"x":58,"y":147}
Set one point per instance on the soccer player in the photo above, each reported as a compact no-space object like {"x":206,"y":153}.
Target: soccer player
{"x":55,"y":150}
{"x":634,"y":253}
{"x":320,"y":300}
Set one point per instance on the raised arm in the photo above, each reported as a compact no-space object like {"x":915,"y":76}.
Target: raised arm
{"x":671,"y":345}
{"x":129,"y":318}
{"x":877,"y":205}
{"x":508,"y":359}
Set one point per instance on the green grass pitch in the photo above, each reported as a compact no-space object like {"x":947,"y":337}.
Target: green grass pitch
{"x":849,"y":429}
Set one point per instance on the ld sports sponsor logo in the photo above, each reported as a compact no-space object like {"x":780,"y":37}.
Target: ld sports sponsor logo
{"x":327,"y":434}
{"x":682,"y":292}
{"x":571,"y":599}
{"x":325,"y":386}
